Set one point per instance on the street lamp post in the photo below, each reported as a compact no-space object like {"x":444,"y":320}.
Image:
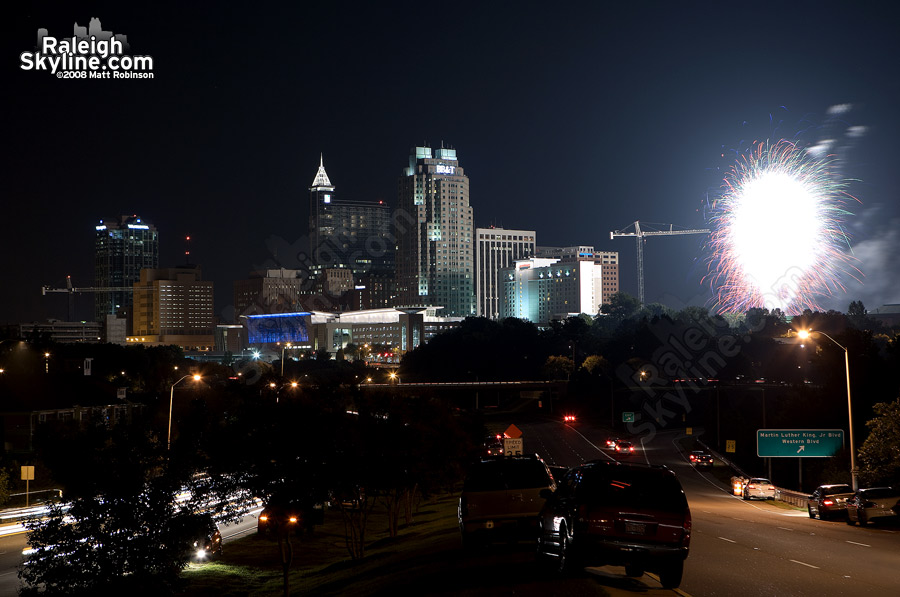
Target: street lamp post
{"x":854,"y":473}
{"x":283,"y":348}
{"x":171,"y":397}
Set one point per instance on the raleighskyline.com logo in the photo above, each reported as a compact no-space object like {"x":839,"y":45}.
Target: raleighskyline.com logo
{"x":91,"y":53}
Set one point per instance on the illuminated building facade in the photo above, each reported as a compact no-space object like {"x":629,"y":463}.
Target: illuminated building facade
{"x":433,"y":228}
{"x":174,"y":306}
{"x":541,"y":290}
{"x":122,"y":248}
{"x":354,"y":235}
{"x":497,"y":249}
{"x":608,"y":259}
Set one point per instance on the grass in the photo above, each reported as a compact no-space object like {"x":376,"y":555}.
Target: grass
{"x":322,"y":565}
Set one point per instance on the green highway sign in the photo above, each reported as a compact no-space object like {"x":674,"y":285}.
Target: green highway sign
{"x":798,"y":443}
{"x":628,"y":417}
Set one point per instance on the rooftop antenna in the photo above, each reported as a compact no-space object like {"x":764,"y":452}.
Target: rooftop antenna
{"x":187,"y":250}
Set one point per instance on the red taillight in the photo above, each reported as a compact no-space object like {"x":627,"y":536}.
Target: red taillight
{"x":263,"y":518}
{"x":751,"y":486}
{"x":827,"y":503}
{"x":631,"y":449}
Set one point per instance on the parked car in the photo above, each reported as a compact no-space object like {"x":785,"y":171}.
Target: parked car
{"x":701,"y":459}
{"x":616,"y":513}
{"x":829,"y":501}
{"x":873,"y":503}
{"x":759,"y":488}
{"x":501,"y":498}
{"x":298,"y":516}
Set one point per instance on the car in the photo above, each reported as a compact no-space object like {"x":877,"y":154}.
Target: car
{"x":701,"y":459}
{"x":501,"y":498}
{"x":493,"y":445}
{"x":828,"y":501}
{"x":611,"y":443}
{"x":758,"y":488}
{"x":569,"y":418}
{"x":873,"y":503}
{"x":620,"y":514}
{"x":286,"y":515}
{"x":208,"y":543}
{"x":624,"y":448}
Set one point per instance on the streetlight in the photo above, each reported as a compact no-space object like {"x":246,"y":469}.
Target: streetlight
{"x":46,"y":362}
{"x":803,"y":334}
{"x":283,"y":348}
{"x":393,"y":375}
{"x":171,"y":396}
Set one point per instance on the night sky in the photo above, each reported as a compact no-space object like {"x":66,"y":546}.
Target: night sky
{"x":571,"y":119}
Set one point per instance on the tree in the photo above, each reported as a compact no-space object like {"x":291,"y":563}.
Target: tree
{"x":856,"y":315}
{"x":119,"y":529}
{"x":595,"y":364}
{"x":879,"y":455}
{"x":4,"y":486}
{"x":558,"y":367}
{"x":621,"y":306}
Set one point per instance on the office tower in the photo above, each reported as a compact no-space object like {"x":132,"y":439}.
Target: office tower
{"x":122,"y":248}
{"x":355,"y":235}
{"x":610,"y":262}
{"x":270,"y":291}
{"x":174,"y":306}
{"x":497,"y":249}
{"x":433,"y":228}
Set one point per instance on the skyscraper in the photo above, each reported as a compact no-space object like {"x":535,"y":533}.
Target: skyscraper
{"x":174,"y":306}
{"x":497,"y":249}
{"x":122,"y":248}
{"x":348,"y":234}
{"x":433,"y":228}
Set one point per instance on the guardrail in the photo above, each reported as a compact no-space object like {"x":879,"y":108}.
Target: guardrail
{"x":794,"y":498}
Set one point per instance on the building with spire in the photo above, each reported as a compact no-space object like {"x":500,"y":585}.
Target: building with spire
{"x":433,"y":228}
{"x":353,"y":236}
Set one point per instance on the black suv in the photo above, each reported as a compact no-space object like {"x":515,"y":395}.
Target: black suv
{"x":613,"y":513}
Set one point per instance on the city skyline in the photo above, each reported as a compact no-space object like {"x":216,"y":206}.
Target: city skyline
{"x":572,"y":122}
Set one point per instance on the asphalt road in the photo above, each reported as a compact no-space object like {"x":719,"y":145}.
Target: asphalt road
{"x":738,"y":547}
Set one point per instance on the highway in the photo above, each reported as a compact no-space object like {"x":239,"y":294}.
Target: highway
{"x":738,"y":547}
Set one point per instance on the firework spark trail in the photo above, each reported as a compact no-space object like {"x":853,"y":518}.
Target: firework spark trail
{"x":778,"y":240}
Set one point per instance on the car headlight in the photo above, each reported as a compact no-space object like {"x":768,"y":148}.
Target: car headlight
{"x":201,"y":554}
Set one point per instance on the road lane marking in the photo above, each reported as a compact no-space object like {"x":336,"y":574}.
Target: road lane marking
{"x":804,"y":564}
{"x":855,"y":543}
{"x":729,"y":540}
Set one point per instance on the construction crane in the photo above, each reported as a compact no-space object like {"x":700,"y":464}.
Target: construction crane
{"x":71,"y":290}
{"x":641,"y":233}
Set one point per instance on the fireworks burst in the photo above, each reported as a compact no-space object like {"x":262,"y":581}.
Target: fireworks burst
{"x":777,"y":239}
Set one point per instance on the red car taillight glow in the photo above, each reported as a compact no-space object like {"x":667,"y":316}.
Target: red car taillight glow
{"x":828,"y":503}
